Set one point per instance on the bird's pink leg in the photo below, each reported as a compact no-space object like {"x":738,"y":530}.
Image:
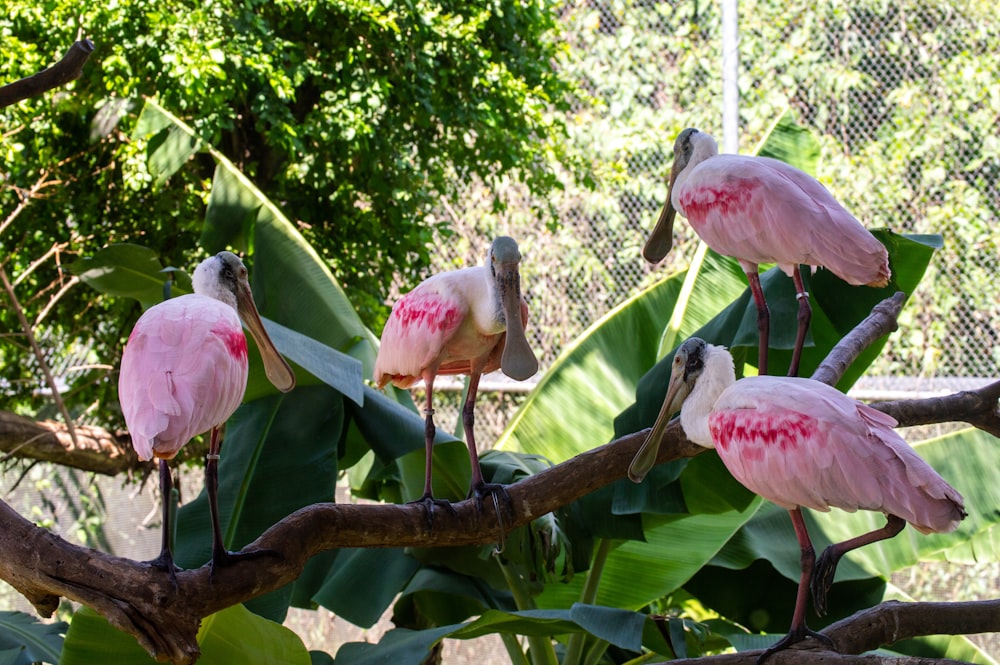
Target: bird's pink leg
{"x":826,"y":567}
{"x":165,"y":560}
{"x":763,"y":320}
{"x":799,"y":630}
{"x":805,"y":314}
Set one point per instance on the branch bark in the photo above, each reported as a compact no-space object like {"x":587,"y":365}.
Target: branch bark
{"x":142,"y":600}
{"x":882,"y":625}
{"x":67,"y":69}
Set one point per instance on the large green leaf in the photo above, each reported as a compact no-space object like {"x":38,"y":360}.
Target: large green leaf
{"x":131,"y":271}
{"x":354,"y":594}
{"x":25,"y":640}
{"x":595,"y":377}
{"x":636,"y":573}
{"x":234,"y":635}
{"x":402,"y":646}
{"x":279,"y":455}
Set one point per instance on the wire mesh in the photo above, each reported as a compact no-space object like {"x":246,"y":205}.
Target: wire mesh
{"x":904,"y":98}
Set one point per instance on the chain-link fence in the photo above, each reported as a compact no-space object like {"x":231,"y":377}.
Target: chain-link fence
{"x":904,"y":98}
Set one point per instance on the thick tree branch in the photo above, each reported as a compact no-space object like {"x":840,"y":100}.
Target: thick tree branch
{"x":883,"y":625}
{"x":96,"y":449}
{"x":66,"y":70}
{"x":143,"y":602}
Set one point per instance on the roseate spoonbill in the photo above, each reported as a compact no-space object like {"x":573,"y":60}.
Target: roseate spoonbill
{"x":761,"y":210}
{"x":801,"y":443}
{"x":466,"y":321}
{"x":184,"y":372}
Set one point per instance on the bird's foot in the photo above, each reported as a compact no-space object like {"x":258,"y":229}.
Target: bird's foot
{"x":794,"y":636}
{"x":222,"y":558}
{"x":497,"y":491}
{"x":822,"y":577}
{"x":499,"y":494}
{"x":165,"y":562}
{"x":429,"y":502}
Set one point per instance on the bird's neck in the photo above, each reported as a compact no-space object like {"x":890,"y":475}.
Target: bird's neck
{"x":715,"y":378}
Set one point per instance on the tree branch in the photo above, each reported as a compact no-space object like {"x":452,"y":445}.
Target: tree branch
{"x":68,"y":69}
{"x":95,"y":449}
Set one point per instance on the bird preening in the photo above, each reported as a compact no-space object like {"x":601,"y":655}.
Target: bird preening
{"x":801,"y":443}
{"x":761,"y":210}
{"x":184,"y":373}
{"x":468,"y":321}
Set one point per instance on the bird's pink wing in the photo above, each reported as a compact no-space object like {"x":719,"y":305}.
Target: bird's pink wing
{"x":799,"y":442}
{"x":183,"y":371}
{"x":762,"y":210}
{"x":421,"y":323}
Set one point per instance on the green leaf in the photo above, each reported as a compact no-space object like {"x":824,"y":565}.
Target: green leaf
{"x":353,"y":593}
{"x":24,"y":639}
{"x":593,"y":379}
{"x":736,"y":326}
{"x":234,"y":635}
{"x":170,"y":146}
{"x":237,"y":635}
{"x":636,"y":573}
{"x":335,"y":369}
{"x":130,"y":271}
{"x":791,"y":143}
{"x":619,"y":627}
{"x":232,"y":209}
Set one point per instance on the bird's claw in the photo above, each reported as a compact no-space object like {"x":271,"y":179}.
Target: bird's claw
{"x":794,"y":636}
{"x":492,"y":489}
{"x":822,"y":577}
{"x":165,"y":562}
{"x":499,"y":494}
{"x":429,"y":502}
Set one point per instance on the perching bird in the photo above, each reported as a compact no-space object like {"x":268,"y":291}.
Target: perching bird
{"x":761,"y":210}
{"x":466,"y":321}
{"x":184,"y":372}
{"x":801,"y":443}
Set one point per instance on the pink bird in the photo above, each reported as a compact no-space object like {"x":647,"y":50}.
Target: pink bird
{"x":801,"y":443}
{"x":184,"y":372}
{"x":467,"y":321}
{"x":761,"y":210}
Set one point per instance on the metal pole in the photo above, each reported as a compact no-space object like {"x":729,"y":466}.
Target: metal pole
{"x":730,"y":77}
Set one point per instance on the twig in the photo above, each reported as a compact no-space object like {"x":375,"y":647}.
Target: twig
{"x":39,"y":356}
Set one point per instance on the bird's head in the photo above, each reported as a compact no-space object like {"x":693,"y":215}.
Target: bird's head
{"x":518,"y":360}
{"x":690,"y":144}
{"x":687,"y":367}
{"x":224,"y":277}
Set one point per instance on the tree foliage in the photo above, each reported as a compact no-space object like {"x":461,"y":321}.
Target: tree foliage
{"x":360,"y":118}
